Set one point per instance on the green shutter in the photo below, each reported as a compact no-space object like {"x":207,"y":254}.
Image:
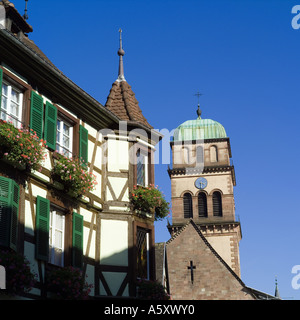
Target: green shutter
{"x":37,"y":114}
{"x":15,"y":195}
{"x":77,"y":252}
{"x":9,"y":211}
{"x":83,"y":144}
{"x":42,"y":228}
{"x":50,"y":125}
{"x":5,"y":210}
{"x":1,"y":77}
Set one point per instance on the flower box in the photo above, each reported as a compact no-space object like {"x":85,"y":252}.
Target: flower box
{"x":21,"y":147}
{"x":72,"y":175}
{"x":150,"y":200}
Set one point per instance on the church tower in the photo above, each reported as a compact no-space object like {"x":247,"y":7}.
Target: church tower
{"x":202,"y":180}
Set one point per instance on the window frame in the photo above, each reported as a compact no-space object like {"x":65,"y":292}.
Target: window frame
{"x":54,"y":211}
{"x":59,"y":144}
{"x":74,"y":122}
{"x":24,"y":88}
{"x":190,"y":209}
{"x":202,"y":194}
{"x":145,"y":165}
{"x":217,"y":194}
{"x":147,"y":239}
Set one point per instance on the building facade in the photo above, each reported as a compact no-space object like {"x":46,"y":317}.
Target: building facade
{"x":98,"y":232}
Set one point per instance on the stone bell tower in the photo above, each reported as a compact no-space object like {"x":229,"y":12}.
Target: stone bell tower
{"x":202,"y":181}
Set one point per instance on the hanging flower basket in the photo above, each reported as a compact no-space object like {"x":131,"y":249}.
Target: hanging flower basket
{"x":150,"y":200}
{"x":21,"y":148}
{"x":73,"y":176}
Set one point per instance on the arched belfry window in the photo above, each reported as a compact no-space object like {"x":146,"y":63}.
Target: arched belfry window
{"x":217,"y":204}
{"x":202,"y":205}
{"x":187,"y":205}
{"x":213,"y":154}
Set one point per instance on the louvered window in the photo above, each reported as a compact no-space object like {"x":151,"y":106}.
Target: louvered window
{"x":187,"y":206}
{"x":202,"y":205}
{"x":217,"y":204}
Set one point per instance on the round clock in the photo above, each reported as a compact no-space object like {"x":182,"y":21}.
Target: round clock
{"x":201,"y":183}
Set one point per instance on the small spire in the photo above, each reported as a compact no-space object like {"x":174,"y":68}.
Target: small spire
{"x":25,"y":16}
{"x":277,"y":295}
{"x":199,"y":111}
{"x":121,"y":53}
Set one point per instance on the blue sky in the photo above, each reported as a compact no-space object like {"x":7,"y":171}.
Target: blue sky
{"x":243,"y":56}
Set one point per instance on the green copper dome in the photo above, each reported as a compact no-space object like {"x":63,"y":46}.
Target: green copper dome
{"x":199,"y":129}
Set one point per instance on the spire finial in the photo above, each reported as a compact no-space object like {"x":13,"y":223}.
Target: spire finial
{"x":199,"y":112}
{"x":121,"y":53}
{"x":25,"y":16}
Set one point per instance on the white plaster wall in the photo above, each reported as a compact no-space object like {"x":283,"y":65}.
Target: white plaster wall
{"x":118,"y":158}
{"x":114,"y":242}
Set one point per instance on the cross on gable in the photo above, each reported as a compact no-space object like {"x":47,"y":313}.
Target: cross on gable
{"x":192,"y":267}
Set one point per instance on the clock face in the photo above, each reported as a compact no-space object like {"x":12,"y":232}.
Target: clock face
{"x":201,"y":183}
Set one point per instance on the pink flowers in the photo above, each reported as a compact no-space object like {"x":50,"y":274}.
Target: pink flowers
{"x":21,"y":146}
{"x":73,"y":175}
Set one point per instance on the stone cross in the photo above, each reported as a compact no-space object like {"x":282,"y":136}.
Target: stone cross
{"x":191,"y":267}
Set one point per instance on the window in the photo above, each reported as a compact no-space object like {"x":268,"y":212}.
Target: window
{"x":11,"y":104}
{"x":143,"y":270}
{"x":142,"y":169}
{"x":213,"y":154}
{"x":50,"y":234}
{"x":217,"y":204}
{"x":56,"y":238}
{"x":187,"y":205}
{"x":202,"y":205}
{"x":64,"y":138}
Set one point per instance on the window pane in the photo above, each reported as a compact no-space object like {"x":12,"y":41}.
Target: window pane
{"x":14,"y":96}
{"x":66,"y":129}
{"x":4,"y":103}
{"x":4,"y":89}
{"x":66,"y":142}
{"x":14,"y":109}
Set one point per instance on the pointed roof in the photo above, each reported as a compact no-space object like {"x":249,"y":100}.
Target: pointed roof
{"x":121,"y":99}
{"x":123,"y":103}
{"x":277,"y":295}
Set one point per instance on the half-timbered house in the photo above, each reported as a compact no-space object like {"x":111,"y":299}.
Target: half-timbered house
{"x":98,"y":232}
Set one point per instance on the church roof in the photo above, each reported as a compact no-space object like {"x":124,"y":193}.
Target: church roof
{"x":121,"y":99}
{"x":199,"y":129}
{"x":192,"y":223}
